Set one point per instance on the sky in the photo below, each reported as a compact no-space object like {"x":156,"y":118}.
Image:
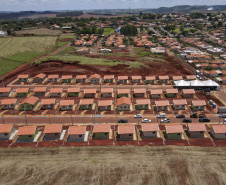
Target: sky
{"x":41,"y":5}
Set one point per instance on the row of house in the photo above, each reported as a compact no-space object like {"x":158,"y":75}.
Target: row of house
{"x":143,"y":41}
{"x":86,"y":40}
{"x":96,"y":78}
{"x":103,"y":131}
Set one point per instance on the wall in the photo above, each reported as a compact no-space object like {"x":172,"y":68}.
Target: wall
{"x":66,"y":81}
{"x":37,"y":80}
{"x":89,"y":95}
{"x":52,"y":136}
{"x":6,"y":137}
{"x":174,"y":136}
{"x":101,"y":135}
{"x":22,"y":95}
{"x":73,"y":94}
{"x":152,"y":134}
{"x":94,"y":80}
{"x":139,"y":95}
{"x":188,"y":95}
{"x":123,"y":107}
{"x":103,"y":108}
{"x":141,"y":107}
{"x":28,"y":106}
{"x":40,"y":94}
{"x":10,"y":107}
{"x":5,"y":94}
{"x":47,"y":107}
{"x":125,"y":137}
{"x":149,"y":81}
{"x":106,"y":95}
{"x":196,"y":134}
{"x":56,"y":95}
{"x":122,"y":95}
{"x":155,"y":96}
{"x":76,"y":138}
{"x":84,"y":107}
{"x":179,"y":107}
{"x":171,"y":95}
{"x":108,"y":81}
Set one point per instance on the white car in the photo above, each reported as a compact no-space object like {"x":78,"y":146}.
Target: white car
{"x":224,"y":122}
{"x":162,"y":115}
{"x":146,"y":121}
{"x":138,"y":116}
{"x":165,"y":120}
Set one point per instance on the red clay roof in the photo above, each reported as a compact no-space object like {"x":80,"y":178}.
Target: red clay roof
{"x":40,"y":89}
{"x":95,"y":76}
{"x":177,"y":128}
{"x":190,"y":77}
{"x":162,"y":103}
{"x":122,"y":77}
{"x":65,"y":77}
{"x":143,"y":90}
{"x":109,"y":77}
{"x":163,"y":77}
{"x":142,"y":101}
{"x":198,"y":102}
{"x":53,"y":128}
{"x":41,"y":75}
{"x":66,"y":102}
{"x":180,"y":102}
{"x":105,"y":102}
{"x":56,"y":90}
{"x":171,"y":91}
{"x":26,"y":130}
{"x":101,"y":128}
{"x":5,"y":128}
{"x":53,"y":76}
{"x":81,"y":76}
{"x":177,"y":78}
{"x":90,"y":91}
{"x":5,"y":89}
{"x":123,"y":100}
{"x":150,"y":77}
{"x":188,"y":91}
{"x":30,"y":100}
{"x":219,"y":129}
{"x":48,"y":101}
{"x":107,"y":90}
{"x":123,"y":91}
{"x":126,"y":129}
{"x":22,"y":90}
{"x":86,"y":101}
{"x":77,"y":130}
{"x":73,"y":89}
{"x":149,"y":127}
{"x":23,"y":76}
{"x":136,"y":77}
{"x":156,"y":91}
{"x":196,"y":127}
{"x":8,"y":101}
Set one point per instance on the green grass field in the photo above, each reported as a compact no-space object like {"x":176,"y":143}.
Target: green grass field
{"x":16,"y":51}
{"x":65,"y":36}
{"x":108,"y":31}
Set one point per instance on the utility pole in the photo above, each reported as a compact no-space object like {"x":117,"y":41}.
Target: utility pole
{"x":3,"y":119}
{"x":25,"y":115}
{"x":72,"y":119}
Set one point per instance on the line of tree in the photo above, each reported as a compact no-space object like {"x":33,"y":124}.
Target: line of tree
{"x":129,"y":30}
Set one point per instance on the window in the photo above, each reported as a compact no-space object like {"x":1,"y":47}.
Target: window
{"x":5,"y":105}
{"x":30,"y":136}
{"x":63,"y":107}
{"x":0,"y":93}
{"x":178,"y":134}
{"x":125,"y":107}
{"x":79,"y":135}
{"x":56,"y":134}
{"x":6,"y":134}
{"x":130,"y":135}
{"x":24,"y":93}
{"x":153,"y":132}
{"x":121,"y":106}
{"x":58,"y":93}
{"x":105,"y":133}
{"x":201,"y":132}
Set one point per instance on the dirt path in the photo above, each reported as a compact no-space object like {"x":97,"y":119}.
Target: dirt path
{"x":98,"y":45}
{"x":131,"y":51}
{"x":60,"y":49}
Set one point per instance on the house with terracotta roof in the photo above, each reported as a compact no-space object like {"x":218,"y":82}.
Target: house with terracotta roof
{"x":156,"y":93}
{"x":81,"y":78}
{"x":171,"y":93}
{"x":106,"y":92}
{"x":73,"y":91}
{"x":6,"y":131}
{"x":90,"y":93}
{"x":66,"y":78}
{"x":86,"y":104}
{"x":174,"y":78}
{"x":53,"y":78}
{"x":139,"y":93}
{"x":83,"y":51}
{"x":22,"y":92}
{"x":198,"y":105}
{"x":163,"y":79}
{"x":122,"y":79}
{"x":149,"y":130}
{"x":161,"y":105}
{"x":56,"y":92}
{"x":126,"y":132}
{"x":101,"y":131}
{"x":174,"y":131}
{"x":150,"y":79}
{"x":188,"y":93}
{"x":39,"y":78}
{"x":27,"y":133}
{"x":136,"y":79}
{"x":5,"y":91}
{"x":109,"y":78}
{"x":29,"y":103}
{"x":48,"y":103}
{"x":123,"y":93}
{"x":23,"y":77}
{"x":218,"y":131}
{"x":95,"y":78}
{"x":196,"y":130}
{"x":105,"y":105}
{"x":77,"y":134}
{"x":142,"y":104}
{"x":179,"y":104}
{"x":66,"y":105}
{"x":9,"y":104}
{"x":123,"y":104}
{"x":40,"y":91}
{"x":52,"y":132}
{"x":190,"y":77}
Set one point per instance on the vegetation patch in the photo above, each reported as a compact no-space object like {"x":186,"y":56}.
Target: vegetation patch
{"x":108,"y":31}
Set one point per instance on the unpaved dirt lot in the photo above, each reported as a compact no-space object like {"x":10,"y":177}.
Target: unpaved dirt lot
{"x":114,"y":165}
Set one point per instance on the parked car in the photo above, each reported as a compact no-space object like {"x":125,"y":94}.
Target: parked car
{"x":122,"y":121}
{"x":138,"y":116}
{"x":222,"y":116}
{"x":224,"y":122}
{"x":162,"y":115}
{"x":165,"y":120}
{"x":204,"y":119}
{"x":193,"y":115}
{"x":180,"y":116}
{"x":202,"y":115}
{"x":146,"y":121}
{"x":187,"y":120}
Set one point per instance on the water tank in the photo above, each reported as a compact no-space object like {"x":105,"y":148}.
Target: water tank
{"x":214,"y":105}
{"x":211,"y":102}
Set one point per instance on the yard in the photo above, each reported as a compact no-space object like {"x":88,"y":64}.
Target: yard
{"x":108,"y":31}
{"x":16,"y":51}
{"x":113,"y":165}
{"x":39,"y":31}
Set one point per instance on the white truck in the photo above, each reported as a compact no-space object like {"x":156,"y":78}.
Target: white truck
{"x":221,"y":110}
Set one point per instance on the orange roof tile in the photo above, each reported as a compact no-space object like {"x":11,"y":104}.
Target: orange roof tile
{"x":30,"y":100}
{"x":48,"y":101}
{"x":53,"y":128}
{"x":162,"y":103}
{"x":126,"y":129}
{"x":163,"y":77}
{"x":86,"y":101}
{"x":143,"y":101}
{"x":66,"y":102}
{"x":143,"y":90}
{"x":26,"y":130}
{"x":77,"y":130}
{"x":65,"y":77}
{"x":99,"y":128}
{"x":150,"y":78}
{"x":196,"y":127}
{"x":198,"y":102}
{"x":8,"y":101}
{"x":53,"y":76}
{"x":123,"y":100}
{"x":95,"y":76}
{"x":40,"y":89}
{"x":107,"y":90}
{"x":81,"y":76}
{"x":122,"y":77}
{"x":23,"y":76}
{"x":171,"y":91}
{"x":5,"y":89}
{"x":90,"y":91}
{"x":5,"y":128}
{"x":188,"y":91}
{"x":136,"y":77}
{"x":190,"y":77}
{"x":109,"y":77}
{"x":149,"y":127}
{"x":41,"y":75}
{"x":156,"y":91}
{"x":177,"y":78}
{"x":180,"y":102}
{"x":219,"y":129}
{"x":123,"y":91}
{"x":105,"y":102}
{"x":177,"y":128}
{"x":22,"y":90}
{"x":56,"y":90}
{"x":73,"y":89}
